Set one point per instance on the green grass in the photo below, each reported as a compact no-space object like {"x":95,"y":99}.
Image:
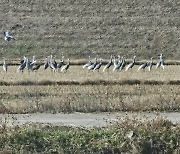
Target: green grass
{"x":157,"y":136}
{"x":79,"y":28}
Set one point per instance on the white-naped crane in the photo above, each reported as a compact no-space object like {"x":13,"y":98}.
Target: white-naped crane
{"x":93,"y":65}
{"x":108,"y":65}
{"x":65,"y":67}
{"x":24,"y":59}
{"x":123,"y":63}
{"x":61,"y":63}
{"x":130,"y":66}
{"x":33,"y":60}
{"x":143,"y":66}
{"x":22,"y":65}
{"x":36,"y":67}
{"x":5,"y":65}
{"x":89,"y":63}
{"x":46,"y":64}
{"x":98,"y":66}
{"x":115,"y":61}
{"x":53,"y":64}
{"x":150,"y":64}
{"x":8,"y":37}
{"x":30,"y":64}
{"x":160,"y":62}
{"x":117,"y":64}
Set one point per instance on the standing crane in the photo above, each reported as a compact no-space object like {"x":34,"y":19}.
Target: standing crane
{"x":97,"y":67}
{"x":143,"y":66}
{"x":108,"y":65}
{"x":89,"y":63}
{"x":64,"y":68}
{"x":61,"y":63}
{"x":46,"y":64}
{"x":22,"y":65}
{"x":161,"y":62}
{"x":5,"y":66}
{"x":93,"y":65}
{"x":36,"y":67}
{"x":123,"y":63}
{"x":118,"y":64}
{"x":130,"y":66}
{"x":150,"y":64}
{"x":52,"y":64}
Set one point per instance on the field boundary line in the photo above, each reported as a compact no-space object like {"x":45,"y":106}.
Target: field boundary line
{"x":91,"y":82}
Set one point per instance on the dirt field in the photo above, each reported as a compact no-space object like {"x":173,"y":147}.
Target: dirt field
{"x":78,"y":28}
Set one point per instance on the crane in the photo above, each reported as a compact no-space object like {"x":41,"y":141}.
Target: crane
{"x":97,"y":67}
{"x":123,"y":63}
{"x":161,"y":62}
{"x":108,"y":65}
{"x":130,"y":66}
{"x":64,"y":68}
{"x":150,"y":64}
{"x":88,"y":63}
{"x":8,"y":37}
{"x":142,"y":66}
{"x":5,"y":66}
{"x":93,"y":65}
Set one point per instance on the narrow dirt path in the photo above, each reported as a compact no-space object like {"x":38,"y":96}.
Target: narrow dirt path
{"x":81,"y":119}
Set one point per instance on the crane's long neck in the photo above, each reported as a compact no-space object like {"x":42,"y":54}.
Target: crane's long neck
{"x":68,"y":62}
{"x":111,"y":60}
{"x":160,"y":58}
{"x":134,"y":60}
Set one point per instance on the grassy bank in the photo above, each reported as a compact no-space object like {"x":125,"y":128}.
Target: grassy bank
{"x":123,"y":136}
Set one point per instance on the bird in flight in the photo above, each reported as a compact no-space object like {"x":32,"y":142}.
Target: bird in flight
{"x":8,"y":37}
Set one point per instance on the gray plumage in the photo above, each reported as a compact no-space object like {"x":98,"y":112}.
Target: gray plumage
{"x":5,"y":66}
{"x":91,"y":67}
{"x":64,"y":68}
{"x":108,"y":65}
{"x":117,"y":65}
{"x":22,"y":65}
{"x":89,"y":63}
{"x":97,"y":67}
{"x":130,"y":66}
{"x":123,"y":64}
{"x":150,"y":64}
{"x":8,"y":37}
{"x":142,"y":66}
{"x":161,"y":62}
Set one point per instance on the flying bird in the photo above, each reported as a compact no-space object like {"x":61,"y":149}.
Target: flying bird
{"x":150,"y":64}
{"x":8,"y":37}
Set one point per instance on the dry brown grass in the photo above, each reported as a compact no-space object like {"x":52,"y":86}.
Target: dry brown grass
{"x":90,"y":98}
{"x":79,"y":90}
{"x":77,"y":74}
